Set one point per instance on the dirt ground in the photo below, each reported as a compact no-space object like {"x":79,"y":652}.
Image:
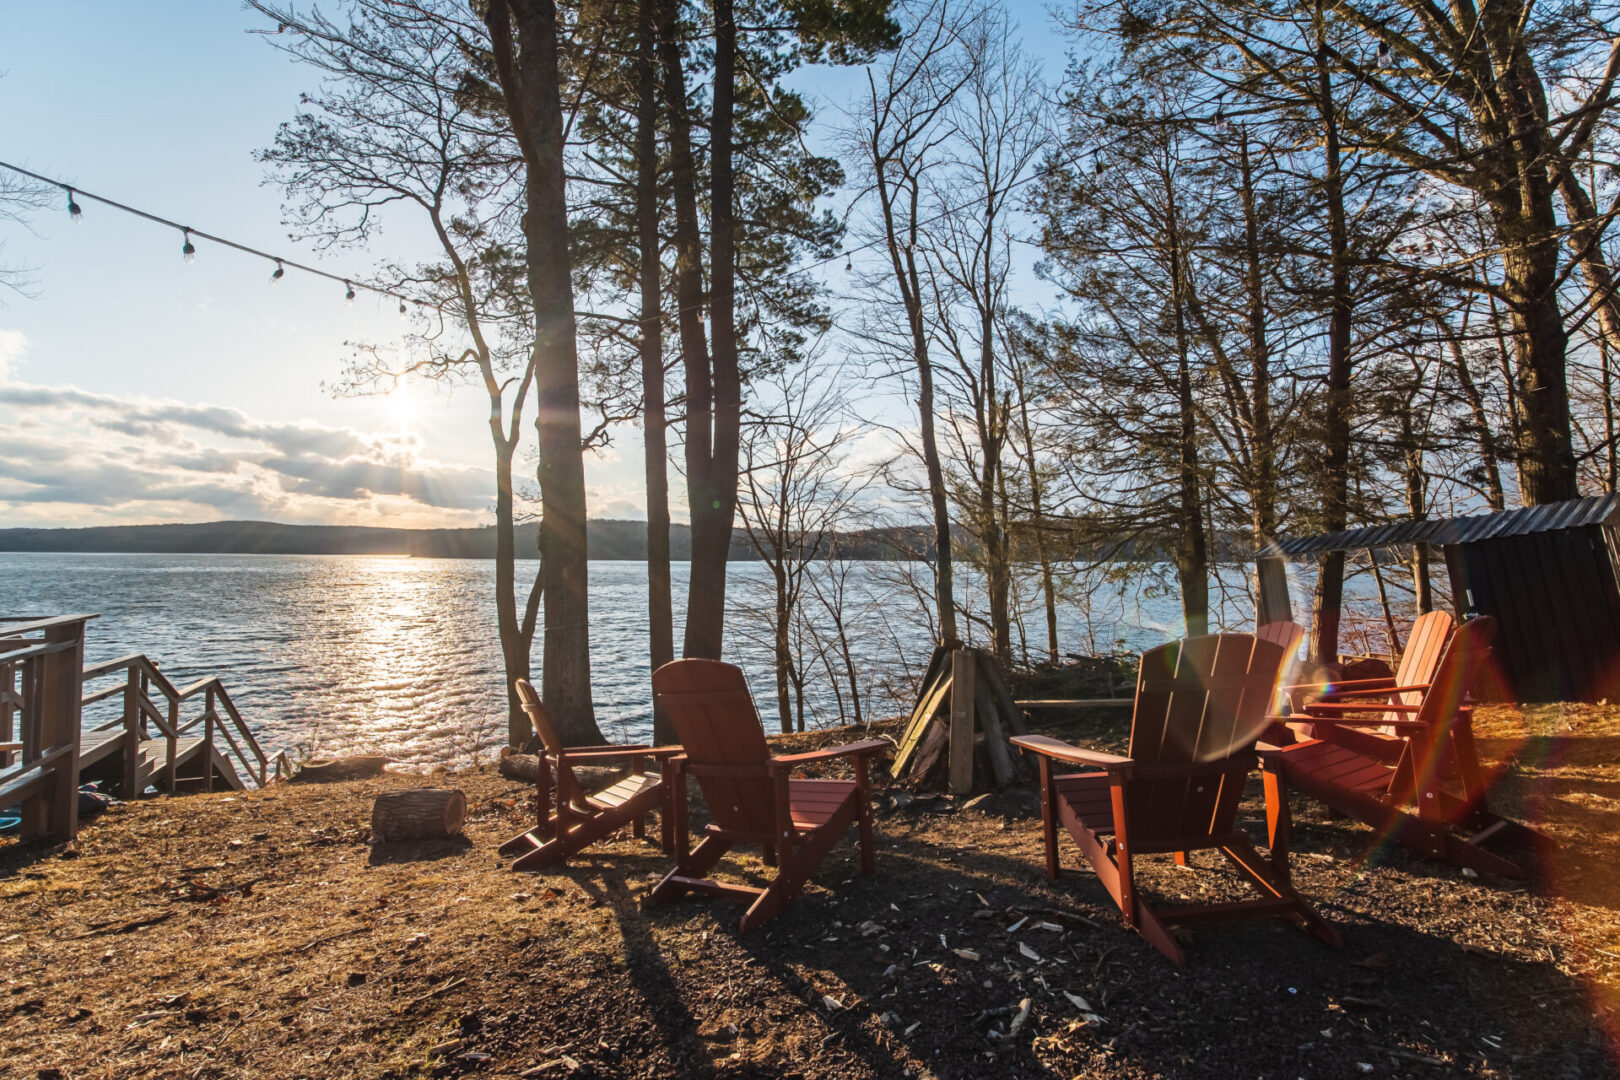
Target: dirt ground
{"x":260,"y":935}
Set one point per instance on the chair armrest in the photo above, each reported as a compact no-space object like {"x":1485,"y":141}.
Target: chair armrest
{"x":1365,"y":685}
{"x":1419,"y":688}
{"x":1062,"y":751}
{"x":606,"y":753}
{"x":1344,"y":707}
{"x":854,"y":749}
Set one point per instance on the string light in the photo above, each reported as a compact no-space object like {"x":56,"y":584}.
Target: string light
{"x":849,"y":263}
{"x":188,"y":248}
{"x":1383,"y":53}
{"x":402,"y":309}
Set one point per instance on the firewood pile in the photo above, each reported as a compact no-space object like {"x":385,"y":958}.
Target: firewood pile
{"x":958,"y":731}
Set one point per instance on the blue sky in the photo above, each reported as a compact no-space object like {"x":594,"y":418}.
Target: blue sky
{"x":135,"y":387}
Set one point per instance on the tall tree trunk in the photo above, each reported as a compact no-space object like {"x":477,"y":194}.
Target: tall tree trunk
{"x":903,"y":261}
{"x":516,"y":636}
{"x":716,"y":409}
{"x":1527,"y":230}
{"x":1335,"y":466}
{"x":1262,"y":439}
{"x":523,"y":34}
{"x":1192,"y":556}
{"x":783,"y":650}
{"x":660,"y":613}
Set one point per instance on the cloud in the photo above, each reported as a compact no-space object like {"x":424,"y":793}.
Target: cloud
{"x":70,"y":457}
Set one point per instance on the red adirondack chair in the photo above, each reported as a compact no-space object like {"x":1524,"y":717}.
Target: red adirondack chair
{"x":580,"y":820}
{"x":1201,"y":705}
{"x":1286,"y":636}
{"x":1419,"y":661}
{"x":1430,"y":787}
{"x":752,"y":795}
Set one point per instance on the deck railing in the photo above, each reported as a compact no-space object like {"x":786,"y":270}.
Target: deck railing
{"x":144,"y":687}
{"x":40,"y":664}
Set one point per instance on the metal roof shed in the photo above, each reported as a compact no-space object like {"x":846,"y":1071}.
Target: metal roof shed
{"x":1550,"y":574}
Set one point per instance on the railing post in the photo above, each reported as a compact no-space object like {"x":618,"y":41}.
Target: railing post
{"x":58,"y":687}
{"x":132,"y":733}
{"x":8,"y":707}
{"x":173,"y":736}
{"x":208,"y":743}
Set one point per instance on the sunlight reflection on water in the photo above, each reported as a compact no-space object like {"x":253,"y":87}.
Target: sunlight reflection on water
{"x":400,"y":656}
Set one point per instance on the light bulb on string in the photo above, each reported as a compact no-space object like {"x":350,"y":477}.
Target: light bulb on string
{"x":849,"y":263}
{"x":279,"y":273}
{"x":402,"y":309}
{"x":74,"y":211}
{"x":188,"y":250}
{"x":1383,"y":53}
{"x":348,"y":295}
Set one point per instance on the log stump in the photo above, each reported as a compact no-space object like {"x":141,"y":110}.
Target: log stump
{"x":418,"y":814}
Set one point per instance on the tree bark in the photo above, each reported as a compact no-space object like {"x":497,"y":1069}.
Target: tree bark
{"x":1527,"y":229}
{"x":714,"y":411}
{"x":660,"y":605}
{"x":524,"y":43}
{"x":1335,"y":464}
{"x":1191,"y":553}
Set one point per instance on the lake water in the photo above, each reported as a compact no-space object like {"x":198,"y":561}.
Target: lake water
{"x":342,"y":654}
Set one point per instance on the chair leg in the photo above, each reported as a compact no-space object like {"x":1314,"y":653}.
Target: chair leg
{"x":1181,"y":858}
{"x":1279,"y":824}
{"x":690,"y":866}
{"x":1249,"y":863}
{"x":1049,"y":824}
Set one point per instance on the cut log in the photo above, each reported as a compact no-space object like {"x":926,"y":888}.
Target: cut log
{"x":418,"y":814}
{"x":350,"y":768}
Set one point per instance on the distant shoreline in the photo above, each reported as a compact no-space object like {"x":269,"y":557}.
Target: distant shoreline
{"x":607,"y":539}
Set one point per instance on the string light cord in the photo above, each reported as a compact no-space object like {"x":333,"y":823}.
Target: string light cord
{"x":74,"y":193}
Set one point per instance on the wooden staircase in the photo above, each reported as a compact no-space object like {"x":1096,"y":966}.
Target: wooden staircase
{"x":160,"y":739}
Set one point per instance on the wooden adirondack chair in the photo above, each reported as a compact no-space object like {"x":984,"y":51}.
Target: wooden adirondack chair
{"x":1424,"y":647}
{"x":751,"y":794}
{"x":580,"y":820}
{"x":1430,"y":788}
{"x":1201,"y":704}
{"x":1286,"y":636}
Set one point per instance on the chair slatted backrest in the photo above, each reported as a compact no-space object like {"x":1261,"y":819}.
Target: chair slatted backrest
{"x":539,"y":717}
{"x":1424,"y":648}
{"x":1456,"y":674}
{"x":1287,"y":636}
{"x":1198,"y":701}
{"x":713,"y":713}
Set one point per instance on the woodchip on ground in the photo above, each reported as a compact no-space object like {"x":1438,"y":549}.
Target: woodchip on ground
{"x":260,"y":935}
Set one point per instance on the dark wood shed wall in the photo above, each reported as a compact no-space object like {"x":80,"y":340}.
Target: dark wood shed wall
{"x":1557,"y":598}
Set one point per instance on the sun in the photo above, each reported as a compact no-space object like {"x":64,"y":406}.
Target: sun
{"x":402,"y":404}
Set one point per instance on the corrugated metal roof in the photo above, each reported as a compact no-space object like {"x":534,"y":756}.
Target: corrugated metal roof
{"x":1550,"y":517}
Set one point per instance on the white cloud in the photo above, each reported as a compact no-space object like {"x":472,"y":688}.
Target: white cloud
{"x":73,"y":457}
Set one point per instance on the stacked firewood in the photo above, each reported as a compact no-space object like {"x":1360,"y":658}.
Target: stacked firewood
{"x":957,"y":736}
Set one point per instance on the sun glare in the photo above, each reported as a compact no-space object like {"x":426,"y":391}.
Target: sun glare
{"x":402,"y":405}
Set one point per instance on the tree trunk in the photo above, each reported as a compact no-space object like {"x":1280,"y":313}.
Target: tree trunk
{"x":783,"y":644}
{"x":660,"y":613}
{"x":1335,"y":465}
{"x":514,"y":642}
{"x":903,"y":261}
{"x":526,"y":65}
{"x":1191,"y":555}
{"x":1263,"y":440}
{"x":714,"y":388}
{"x":1527,"y":229}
